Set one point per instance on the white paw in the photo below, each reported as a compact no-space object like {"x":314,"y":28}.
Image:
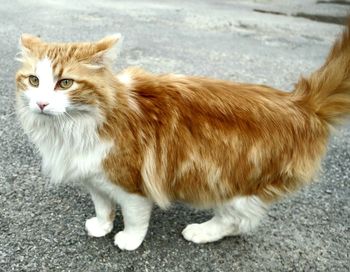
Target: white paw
{"x":200,"y":233}
{"x":127,"y":241}
{"x":96,"y":228}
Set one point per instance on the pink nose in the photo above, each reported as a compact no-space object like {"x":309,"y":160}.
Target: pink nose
{"x":42,"y":105}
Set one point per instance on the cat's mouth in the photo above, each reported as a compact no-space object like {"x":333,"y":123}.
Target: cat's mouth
{"x":45,"y":113}
{"x":48,"y":113}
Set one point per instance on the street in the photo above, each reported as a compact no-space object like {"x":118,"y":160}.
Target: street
{"x":265,"y":42}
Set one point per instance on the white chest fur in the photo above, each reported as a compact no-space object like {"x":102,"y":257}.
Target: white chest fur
{"x":71,"y":148}
{"x":70,"y":162}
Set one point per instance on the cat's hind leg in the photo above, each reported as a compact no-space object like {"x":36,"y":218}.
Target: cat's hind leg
{"x":240,"y":215}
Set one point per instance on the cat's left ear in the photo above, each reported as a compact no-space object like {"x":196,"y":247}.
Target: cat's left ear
{"x":107,"y":50}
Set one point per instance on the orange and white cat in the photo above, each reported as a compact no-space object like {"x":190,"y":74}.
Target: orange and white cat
{"x":135,"y":138}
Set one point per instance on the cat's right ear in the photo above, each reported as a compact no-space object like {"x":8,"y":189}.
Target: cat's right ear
{"x":28,"y":42}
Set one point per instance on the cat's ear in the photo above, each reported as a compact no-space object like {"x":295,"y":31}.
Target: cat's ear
{"x":107,"y":50}
{"x":28,"y":42}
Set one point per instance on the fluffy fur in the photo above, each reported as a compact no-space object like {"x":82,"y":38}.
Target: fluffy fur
{"x":137,"y":138}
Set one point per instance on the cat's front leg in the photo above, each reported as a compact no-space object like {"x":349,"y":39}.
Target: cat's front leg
{"x":136,"y":214}
{"x":102,"y":223}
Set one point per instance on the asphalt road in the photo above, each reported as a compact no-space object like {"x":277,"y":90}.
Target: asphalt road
{"x":42,"y":226}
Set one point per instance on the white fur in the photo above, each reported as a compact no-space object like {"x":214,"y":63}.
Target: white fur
{"x":240,"y":215}
{"x":102,"y":223}
{"x":96,"y":228}
{"x":70,"y":146}
{"x":126,"y":79}
{"x":136,"y":213}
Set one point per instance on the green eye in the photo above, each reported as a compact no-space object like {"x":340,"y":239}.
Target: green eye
{"x":65,"y":83}
{"x":33,"y":80}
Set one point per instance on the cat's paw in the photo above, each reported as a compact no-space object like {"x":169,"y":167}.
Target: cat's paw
{"x":127,"y":241}
{"x":97,"y":229}
{"x":200,"y":233}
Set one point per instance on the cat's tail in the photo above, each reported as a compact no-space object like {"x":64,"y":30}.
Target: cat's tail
{"x":327,"y":91}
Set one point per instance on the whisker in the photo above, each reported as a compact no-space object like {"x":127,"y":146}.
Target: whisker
{"x":24,"y":107}
{"x":59,"y":120}
{"x":69,"y":116}
{"x":8,"y":115}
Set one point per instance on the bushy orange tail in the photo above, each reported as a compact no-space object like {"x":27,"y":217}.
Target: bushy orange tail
{"x":327,"y":90}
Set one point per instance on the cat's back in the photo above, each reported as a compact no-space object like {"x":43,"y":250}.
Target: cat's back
{"x":206,"y":97}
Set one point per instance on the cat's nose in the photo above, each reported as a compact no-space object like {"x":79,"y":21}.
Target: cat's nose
{"x":42,"y":105}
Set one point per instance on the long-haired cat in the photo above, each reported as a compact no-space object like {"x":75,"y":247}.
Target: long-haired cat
{"x":136,"y":138}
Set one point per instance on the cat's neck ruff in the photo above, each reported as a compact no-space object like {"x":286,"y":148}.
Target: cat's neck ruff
{"x":70,"y":145}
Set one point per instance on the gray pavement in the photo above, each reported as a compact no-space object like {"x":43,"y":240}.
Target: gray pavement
{"x":42,"y":227}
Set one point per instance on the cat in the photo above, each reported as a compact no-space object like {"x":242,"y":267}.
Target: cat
{"x":138,"y":139}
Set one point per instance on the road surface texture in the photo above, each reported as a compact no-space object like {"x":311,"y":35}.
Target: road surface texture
{"x":268,"y":41}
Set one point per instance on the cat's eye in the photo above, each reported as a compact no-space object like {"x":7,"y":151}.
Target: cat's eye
{"x":33,"y":80}
{"x":65,"y":83}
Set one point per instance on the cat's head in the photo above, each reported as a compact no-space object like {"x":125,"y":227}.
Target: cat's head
{"x":60,"y":78}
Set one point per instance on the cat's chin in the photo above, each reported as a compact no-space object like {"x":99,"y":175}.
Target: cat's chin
{"x":48,"y":114}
